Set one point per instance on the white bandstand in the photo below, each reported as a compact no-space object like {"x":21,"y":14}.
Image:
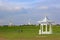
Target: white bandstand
{"x":46,"y":26}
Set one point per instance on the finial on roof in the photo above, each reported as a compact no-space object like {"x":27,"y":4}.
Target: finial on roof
{"x":46,"y":18}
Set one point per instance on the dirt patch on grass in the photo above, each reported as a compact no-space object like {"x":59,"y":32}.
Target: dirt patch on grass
{"x":39,"y":38}
{"x":1,"y":38}
{"x":34,"y":38}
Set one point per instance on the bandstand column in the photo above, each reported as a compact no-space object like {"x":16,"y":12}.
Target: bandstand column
{"x":50,"y":28}
{"x":46,"y":27}
{"x":42,"y":28}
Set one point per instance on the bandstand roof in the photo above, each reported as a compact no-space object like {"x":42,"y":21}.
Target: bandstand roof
{"x":45,"y":20}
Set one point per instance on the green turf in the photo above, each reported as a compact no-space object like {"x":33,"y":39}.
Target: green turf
{"x":25,"y":31}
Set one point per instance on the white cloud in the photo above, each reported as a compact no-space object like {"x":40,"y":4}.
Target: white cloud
{"x":17,"y":8}
{"x":1,"y":21}
{"x":9,"y":6}
{"x":42,"y":7}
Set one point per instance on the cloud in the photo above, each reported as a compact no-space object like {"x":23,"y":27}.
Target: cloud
{"x":23,"y":11}
{"x":8,"y":6}
{"x":43,"y":7}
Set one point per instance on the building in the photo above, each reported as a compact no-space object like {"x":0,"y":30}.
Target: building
{"x":46,"y":26}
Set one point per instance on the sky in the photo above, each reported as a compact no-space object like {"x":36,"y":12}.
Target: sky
{"x":23,"y":11}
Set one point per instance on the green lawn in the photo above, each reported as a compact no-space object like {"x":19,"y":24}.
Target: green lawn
{"x":27,"y":32}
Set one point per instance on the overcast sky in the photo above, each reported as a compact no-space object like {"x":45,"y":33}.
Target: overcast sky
{"x":23,"y":11}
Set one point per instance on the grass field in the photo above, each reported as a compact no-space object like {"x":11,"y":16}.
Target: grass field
{"x":27,"y":32}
